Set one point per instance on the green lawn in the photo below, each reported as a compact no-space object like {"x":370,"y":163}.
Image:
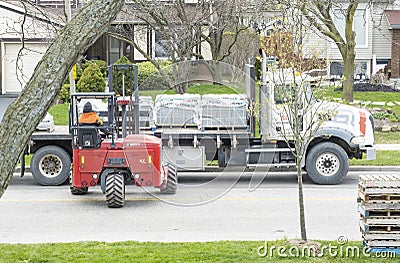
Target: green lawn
{"x":367,"y":96}
{"x":154,"y":93}
{"x":60,"y":113}
{"x":383,"y":158}
{"x":213,"y":89}
{"x":387,"y":137}
{"x":225,"y":251}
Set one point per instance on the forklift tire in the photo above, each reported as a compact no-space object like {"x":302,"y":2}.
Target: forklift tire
{"x":327,"y":163}
{"x":78,"y":190}
{"x":115,"y":190}
{"x":50,"y":165}
{"x":172,"y":180}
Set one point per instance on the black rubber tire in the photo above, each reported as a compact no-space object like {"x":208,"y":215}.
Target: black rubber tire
{"x":115,"y":190}
{"x":172,"y":180}
{"x":50,"y":165}
{"x":78,"y":190}
{"x":221,"y":157}
{"x":327,"y":163}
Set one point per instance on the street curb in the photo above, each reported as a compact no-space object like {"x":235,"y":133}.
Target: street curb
{"x":375,"y":168}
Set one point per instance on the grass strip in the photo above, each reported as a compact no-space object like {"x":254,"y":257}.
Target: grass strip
{"x":383,"y":158}
{"x":223,"y":251}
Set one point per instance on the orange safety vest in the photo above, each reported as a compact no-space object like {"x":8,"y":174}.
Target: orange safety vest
{"x":90,"y":118}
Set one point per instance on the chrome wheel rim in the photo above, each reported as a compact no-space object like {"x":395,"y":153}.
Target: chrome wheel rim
{"x":327,"y":164}
{"x":50,"y":165}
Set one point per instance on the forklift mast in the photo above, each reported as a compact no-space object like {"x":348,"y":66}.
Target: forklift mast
{"x":128,"y":87}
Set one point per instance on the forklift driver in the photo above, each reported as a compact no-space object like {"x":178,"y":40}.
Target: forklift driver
{"x":89,"y":116}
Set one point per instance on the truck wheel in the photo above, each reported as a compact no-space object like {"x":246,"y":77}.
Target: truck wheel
{"x":222,"y":159}
{"x":50,"y":165}
{"x":115,"y":190}
{"x":78,"y":190}
{"x":327,"y":163}
{"x":172,"y":180}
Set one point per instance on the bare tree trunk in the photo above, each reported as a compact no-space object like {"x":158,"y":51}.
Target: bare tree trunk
{"x":319,"y":14}
{"x":301,"y":203}
{"x":348,"y":74}
{"x":348,"y":53}
{"x":29,"y":108}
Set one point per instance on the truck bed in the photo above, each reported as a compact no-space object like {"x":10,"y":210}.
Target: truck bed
{"x":59,"y":133}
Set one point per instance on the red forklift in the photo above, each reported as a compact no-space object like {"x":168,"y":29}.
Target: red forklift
{"x":115,"y":154}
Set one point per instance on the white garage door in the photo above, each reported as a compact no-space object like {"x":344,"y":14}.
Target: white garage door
{"x":14,"y":78}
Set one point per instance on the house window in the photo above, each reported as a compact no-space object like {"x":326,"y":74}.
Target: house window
{"x":361,"y":70}
{"x":115,"y":50}
{"x":160,"y":46}
{"x":360,"y":26}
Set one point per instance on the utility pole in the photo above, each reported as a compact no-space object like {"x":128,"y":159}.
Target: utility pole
{"x":68,"y":13}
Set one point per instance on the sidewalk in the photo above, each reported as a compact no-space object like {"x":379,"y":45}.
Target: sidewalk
{"x":387,"y":147}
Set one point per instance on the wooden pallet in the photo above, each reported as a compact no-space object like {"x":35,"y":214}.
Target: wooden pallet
{"x":370,"y":198}
{"x":381,"y":221}
{"x":379,"y":190}
{"x":224,"y":128}
{"x":383,"y":243}
{"x":380,"y":213}
{"x":368,"y":181}
{"x":381,"y":236}
{"x":381,"y":206}
{"x":379,"y":229}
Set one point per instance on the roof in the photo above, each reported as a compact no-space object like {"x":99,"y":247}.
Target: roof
{"x":393,"y":17}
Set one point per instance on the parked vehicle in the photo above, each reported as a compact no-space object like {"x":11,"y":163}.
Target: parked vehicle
{"x":194,"y":129}
{"x":114,"y":161}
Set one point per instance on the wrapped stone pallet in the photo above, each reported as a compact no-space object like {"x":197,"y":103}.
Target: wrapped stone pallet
{"x":228,"y":111}
{"x":179,"y":110}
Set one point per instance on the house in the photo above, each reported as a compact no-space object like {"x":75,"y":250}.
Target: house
{"x":17,"y":64}
{"x":151,"y":41}
{"x":40,"y":29}
{"x":377,"y":28}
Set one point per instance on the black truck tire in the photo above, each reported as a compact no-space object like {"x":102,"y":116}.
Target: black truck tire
{"x":115,"y":190}
{"x":50,"y":165}
{"x":172,"y":180}
{"x":222,"y":158}
{"x":327,"y":163}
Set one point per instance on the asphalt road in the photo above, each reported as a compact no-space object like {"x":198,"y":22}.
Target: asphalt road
{"x":207,"y":207}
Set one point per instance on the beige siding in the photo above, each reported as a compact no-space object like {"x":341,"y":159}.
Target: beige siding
{"x":379,"y":38}
{"x":362,"y":53}
{"x":10,"y":24}
{"x":205,"y":47}
{"x":382,"y":36}
{"x":314,"y":44}
{"x":141,"y":39}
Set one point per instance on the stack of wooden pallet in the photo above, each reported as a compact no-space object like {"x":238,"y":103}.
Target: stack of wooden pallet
{"x":379,"y":207}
